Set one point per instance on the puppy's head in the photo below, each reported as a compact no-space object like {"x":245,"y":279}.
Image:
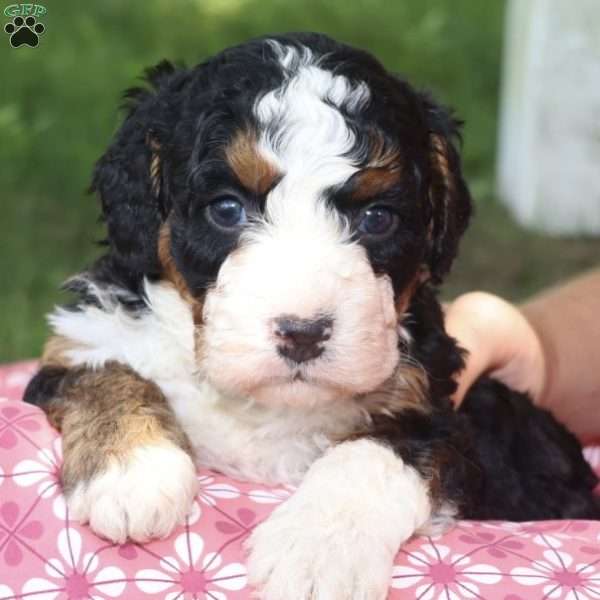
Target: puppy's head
{"x":297,"y":194}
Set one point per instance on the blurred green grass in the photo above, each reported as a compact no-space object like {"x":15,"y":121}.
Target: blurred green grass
{"x":58,"y":110}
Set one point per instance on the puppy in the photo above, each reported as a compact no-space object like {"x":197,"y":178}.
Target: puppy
{"x":279,"y":218}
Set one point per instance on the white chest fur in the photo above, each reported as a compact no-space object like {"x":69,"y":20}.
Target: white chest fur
{"x":249,"y":441}
{"x":235,"y":436}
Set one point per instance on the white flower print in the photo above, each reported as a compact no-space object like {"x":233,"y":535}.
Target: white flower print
{"x":271,"y":496}
{"x":192,"y":574}
{"x":44,"y":471}
{"x":548,"y":534}
{"x":75,"y":574}
{"x":437,"y":574}
{"x":5,"y":592}
{"x":209,"y":491}
{"x":559,"y":578}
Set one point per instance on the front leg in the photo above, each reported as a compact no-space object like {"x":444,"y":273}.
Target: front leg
{"x":336,"y":537}
{"x":127,"y":465}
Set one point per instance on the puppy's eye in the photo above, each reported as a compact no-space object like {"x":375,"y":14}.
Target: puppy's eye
{"x":378,"y":221}
{"x":226,"y":212}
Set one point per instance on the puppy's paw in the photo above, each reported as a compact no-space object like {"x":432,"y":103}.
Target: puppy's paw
{"x":141,"y":498}
{"x":304,"y":555}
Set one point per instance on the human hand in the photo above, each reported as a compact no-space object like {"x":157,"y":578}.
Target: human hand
{"x":500,"y":341}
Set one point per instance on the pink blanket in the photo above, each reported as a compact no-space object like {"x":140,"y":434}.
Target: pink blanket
{"x":44,"y":555}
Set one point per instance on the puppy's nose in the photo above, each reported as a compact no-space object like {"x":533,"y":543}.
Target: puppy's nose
{"x":301,"y":338}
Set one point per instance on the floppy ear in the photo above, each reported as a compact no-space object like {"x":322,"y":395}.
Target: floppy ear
{"x":449,"y":197}
{"x":128,"y":180}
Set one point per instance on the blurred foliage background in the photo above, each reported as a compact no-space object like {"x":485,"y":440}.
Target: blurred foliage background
{"x":59,"y":108}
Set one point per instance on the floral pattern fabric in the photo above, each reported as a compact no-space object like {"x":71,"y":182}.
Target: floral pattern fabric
{"x":44,"y":555}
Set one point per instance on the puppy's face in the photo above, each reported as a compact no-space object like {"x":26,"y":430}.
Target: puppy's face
{"x":297,"y":194}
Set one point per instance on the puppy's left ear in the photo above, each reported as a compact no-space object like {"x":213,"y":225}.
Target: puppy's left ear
{"x":128,"y":176}
{"x":449,"y":197}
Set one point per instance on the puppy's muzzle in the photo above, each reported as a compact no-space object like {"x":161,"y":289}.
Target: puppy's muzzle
{"x":301,"y":340}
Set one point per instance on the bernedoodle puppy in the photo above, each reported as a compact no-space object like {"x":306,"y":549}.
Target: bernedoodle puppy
{"x":279,"y":218}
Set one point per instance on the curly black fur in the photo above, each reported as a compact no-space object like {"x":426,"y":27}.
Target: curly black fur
{"x":498,"y":456}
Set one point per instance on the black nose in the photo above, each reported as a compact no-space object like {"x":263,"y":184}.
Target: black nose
{"x":301,"y":338}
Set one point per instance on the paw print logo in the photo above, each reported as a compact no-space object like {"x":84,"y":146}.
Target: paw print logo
{"x":24,"y":31}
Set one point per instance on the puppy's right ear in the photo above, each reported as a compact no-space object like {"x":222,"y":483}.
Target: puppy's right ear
{"x":449,"y":197}
{"x":128,"y":178}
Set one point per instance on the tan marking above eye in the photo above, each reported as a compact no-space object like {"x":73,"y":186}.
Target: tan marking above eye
{"x":252,"y":169}
{"x":374,"y":181}
{"x":382,"y":171}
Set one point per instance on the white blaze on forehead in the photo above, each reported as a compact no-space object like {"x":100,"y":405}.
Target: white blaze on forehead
{"x":304,"y":133}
